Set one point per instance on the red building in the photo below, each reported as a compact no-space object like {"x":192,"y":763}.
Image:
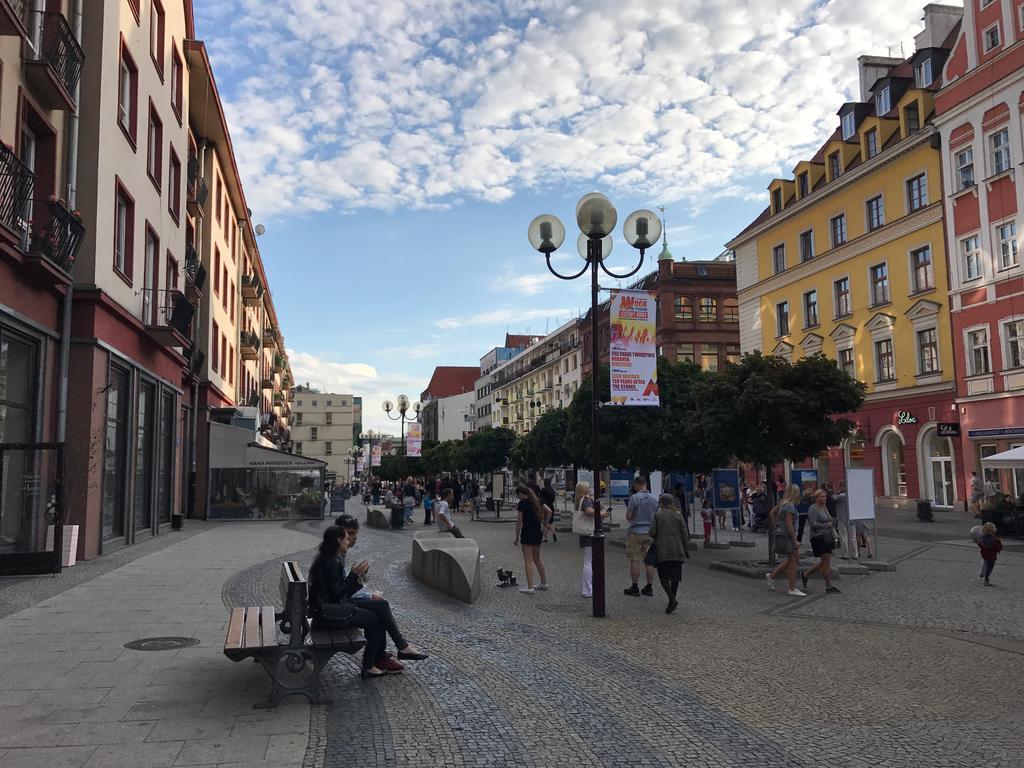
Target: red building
{"x":978,"y":114}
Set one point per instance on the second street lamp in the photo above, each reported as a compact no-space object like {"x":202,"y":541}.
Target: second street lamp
{"x":403,"y":407}
{"x":596,"y":217}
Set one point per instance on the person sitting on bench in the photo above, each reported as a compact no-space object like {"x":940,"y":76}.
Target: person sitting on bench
{"x":443,"y":514}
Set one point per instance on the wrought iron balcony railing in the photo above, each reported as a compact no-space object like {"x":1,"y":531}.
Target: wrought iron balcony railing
{"x":14,"y":17}
{"x":196,"y":190}
{"x":16,"y":185}
{"x":195,"y":270}
{"x":55,"y":67}
{"x":167,"y":309}
{"x":57,"y":233}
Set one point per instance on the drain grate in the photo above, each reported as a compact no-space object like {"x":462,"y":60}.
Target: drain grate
{"x":161,"y":643}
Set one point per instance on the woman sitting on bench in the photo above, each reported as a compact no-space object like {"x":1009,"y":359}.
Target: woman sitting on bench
{"x":332,"y":605}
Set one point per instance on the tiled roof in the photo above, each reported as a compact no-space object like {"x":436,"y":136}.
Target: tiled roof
{"x":519,"y":341}
{"x":451,"y":380}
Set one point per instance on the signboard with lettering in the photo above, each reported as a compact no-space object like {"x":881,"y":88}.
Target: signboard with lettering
{"x":414,"y":439}
{"x":948,"y":430}
{"x":905,"y":417}
{"x":633,"y":351}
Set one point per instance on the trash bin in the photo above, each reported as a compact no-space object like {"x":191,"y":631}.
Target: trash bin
{"x":397,"y":516}
{"x":924,"y":510}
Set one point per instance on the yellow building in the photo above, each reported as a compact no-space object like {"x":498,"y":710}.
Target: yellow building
{"x":848,"y":259}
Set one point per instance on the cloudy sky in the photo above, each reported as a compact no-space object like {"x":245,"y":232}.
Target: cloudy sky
{"x":396,"y":150}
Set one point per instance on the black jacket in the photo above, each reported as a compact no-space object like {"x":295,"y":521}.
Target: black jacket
{"x":328,"y":583}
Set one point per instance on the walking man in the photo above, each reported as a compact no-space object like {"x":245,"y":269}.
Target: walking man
{"x":640,"y":512}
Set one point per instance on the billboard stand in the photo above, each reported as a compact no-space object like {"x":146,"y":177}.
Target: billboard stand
{"x":725,"y":484}
{"x":860,"y":504}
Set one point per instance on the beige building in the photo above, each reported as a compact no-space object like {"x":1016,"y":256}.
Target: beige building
{"x":325,"y":427}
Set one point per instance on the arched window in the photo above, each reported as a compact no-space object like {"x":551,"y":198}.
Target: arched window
{"x":708,"y":310}
{"x":731,"y":310}
{"x":684,"y":308}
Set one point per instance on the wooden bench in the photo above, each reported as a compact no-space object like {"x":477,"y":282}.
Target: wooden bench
{"x":295,"y":663}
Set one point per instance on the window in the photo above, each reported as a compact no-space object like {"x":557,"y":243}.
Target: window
{"x":177,"y":81}
{"x":149,"y":281}
{"x":884,"y":360}
{"x":314,"y":403}
{"x":298,"y":448}
{"x":871,"y":142}
{"x":782,"y":318}
{"x":923,"y":74}
{"x":921,"y":269}
{"x":776,"y":200}
{"x":708,"y":310}
{"x":313,"y":433}
{"x":124,"y":232}
{"x":841,"y":292}
{"x":329,"y":419}
{"x":328,"y":448}
{"x":684,"y":308}
{"x":298,"y":418}
{"x":807,"y":245}
{"x":216,"y":271}
{"x":329,"y":405}
{"x":156,"y":35}
{"x":999,"y":148}
{"x":685,"y":353}
{"x":917,"y":193}
{"x":810,"y":309}
{"x":709,"y":357}
{"x":965,"y":168}
{"x":225,"y":362}
{"x":876,"y":213}
{"x":977,"y":351}
{"x":732,"y":353}
{"x":214,"y":347}
{"x":1014,"y":334}
{"x":971,"y":257}
{"x":991,"y":37}
{"x":912,"y":118}
{"x":779,"y":258}
{"x":127,"y":94}
{"x":174,"y":185}
{"x":837,"y":226}
{"x":928,"y":350}
{"x":849,"y":125}
{"x":879,"y":284}
{"x":172,"y":272}
{"x":154,"y":166}
{"x":731,"y":310}
{"x":834,"y":168}
{"x":803,"y":181}
{"x":846,"y":362}
{"x":1007,"y":236}
{"x":883,"y":102}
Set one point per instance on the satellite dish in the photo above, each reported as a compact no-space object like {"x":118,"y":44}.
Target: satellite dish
{"x":260,"y":229}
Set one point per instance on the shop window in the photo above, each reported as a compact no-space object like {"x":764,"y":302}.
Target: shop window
{"x":709,"y":357}
{"x":115,"y":456}
{"x":895,"y":468}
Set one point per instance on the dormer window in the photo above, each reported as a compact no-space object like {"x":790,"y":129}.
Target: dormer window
{"x":871,"y":142}
{"x":804,"y":182}
{"x":913,"y":118}
{"x":834,"y":168}
{"x":923,"y":74}
{"x":776,"y":200}
{"x":882,"y":101}
{"x":849,"y":126}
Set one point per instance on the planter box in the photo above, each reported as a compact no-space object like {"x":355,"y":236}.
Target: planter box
{"x":69,"y":550}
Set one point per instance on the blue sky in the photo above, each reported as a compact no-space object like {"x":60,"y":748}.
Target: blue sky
{"x":396,"y":151}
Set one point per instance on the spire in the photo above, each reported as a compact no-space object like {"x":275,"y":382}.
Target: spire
{"x":666,"y":254}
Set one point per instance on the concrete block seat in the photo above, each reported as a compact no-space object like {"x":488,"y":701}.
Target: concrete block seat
{"x":378,"y":518}
{"x":447,"y":564}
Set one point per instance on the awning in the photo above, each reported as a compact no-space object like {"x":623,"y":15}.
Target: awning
{"x":1011,"y":459}
{"x":234,"y":448}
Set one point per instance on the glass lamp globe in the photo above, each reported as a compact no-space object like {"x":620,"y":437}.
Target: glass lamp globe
{"x":642,"y":229}
{"x":403,"y":403}
{"x":388,"y":406}
{"x":417,"y":406}
{"x":596,"y":215}
{"x":606,"y":246}
{"x":546,"y":233}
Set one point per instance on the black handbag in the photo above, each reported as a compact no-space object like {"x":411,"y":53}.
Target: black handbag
{"x":337,"y":615}
{"x":651,"y":558}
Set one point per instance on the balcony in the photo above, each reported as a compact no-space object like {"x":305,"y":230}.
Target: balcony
{"x":16,"y":185}
{"x":267,"y":380}
{"x":249,"y":346}
{"x":270,"y":336}
{"x":14,"y":18}
{"x":168,"y":315}
{"x":56,"y":235}
{"x":54,"y":75}
{"x":279,"y":364}
{"x":252,"y":290}
{"x":196,"y":190}
{"x":195,"y":274}
{"x":279,"y":398}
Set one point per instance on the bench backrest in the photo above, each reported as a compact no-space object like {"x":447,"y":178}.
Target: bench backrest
{"x":295,"y":596}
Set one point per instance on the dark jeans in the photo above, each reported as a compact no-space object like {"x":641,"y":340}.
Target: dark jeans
{"x":382,"y":610}
{"x":800,"y":530}
{"x":989,"y":565}
{"x":428,"y":516}
{"x":373,"y":631}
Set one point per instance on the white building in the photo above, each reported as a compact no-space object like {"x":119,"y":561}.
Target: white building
{"x":324,"y":427}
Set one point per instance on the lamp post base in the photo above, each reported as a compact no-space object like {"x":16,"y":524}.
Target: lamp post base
{"x":598,"y":568}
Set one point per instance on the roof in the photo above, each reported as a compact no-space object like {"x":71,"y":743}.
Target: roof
{"x":519,"y":341}
{"x":451,"y":380}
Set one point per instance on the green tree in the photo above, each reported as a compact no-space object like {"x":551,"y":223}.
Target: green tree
{"x":487,"y":450}
{"x":443,"y":457}
{"x":545,"y":445}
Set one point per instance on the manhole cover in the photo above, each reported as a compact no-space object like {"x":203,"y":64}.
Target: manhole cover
{"x":161,"y":643}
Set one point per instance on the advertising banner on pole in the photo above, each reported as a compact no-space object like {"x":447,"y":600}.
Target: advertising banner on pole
{"x":414,"y":440}
{"x":633,"y":353}
{"x":375,"y":456}
{"x":807,"y":479}
{"x":359,"y":465}
{"x":620,"y":483}
{"x":727,"y":488}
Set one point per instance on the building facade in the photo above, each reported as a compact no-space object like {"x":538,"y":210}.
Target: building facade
{"x":449,"y":403}
{"x":325,"y":426}
{"x":979,"y":119}
{"x":544,"y":376}
{"x":849,"y":260}
{"x":483,"y":405}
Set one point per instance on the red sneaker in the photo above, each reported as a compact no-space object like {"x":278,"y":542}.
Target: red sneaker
{"x":390,"y":665}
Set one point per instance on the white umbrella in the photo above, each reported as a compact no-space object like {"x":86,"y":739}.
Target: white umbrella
{"x":1011,"y":459}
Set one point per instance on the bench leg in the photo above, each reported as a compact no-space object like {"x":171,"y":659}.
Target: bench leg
{"x":295,"y":671}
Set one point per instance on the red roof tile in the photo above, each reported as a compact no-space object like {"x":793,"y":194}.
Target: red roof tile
{"x":519,"y":341}
{"x":451,"y":380}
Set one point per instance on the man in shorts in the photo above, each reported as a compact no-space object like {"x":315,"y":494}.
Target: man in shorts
{"x":640,"y":512}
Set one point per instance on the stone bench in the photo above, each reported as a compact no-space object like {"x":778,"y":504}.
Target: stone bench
{"x":447,"y":564}
{"x":378,"y":518}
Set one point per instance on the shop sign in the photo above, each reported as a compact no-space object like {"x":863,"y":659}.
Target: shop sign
{"x":905,"y":417}
{"x":997,"y":432}
{"x":948,"y":430}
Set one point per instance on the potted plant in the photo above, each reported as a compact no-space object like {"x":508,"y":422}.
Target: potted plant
{"x":924,"y":511}
{"x":310,"y":503}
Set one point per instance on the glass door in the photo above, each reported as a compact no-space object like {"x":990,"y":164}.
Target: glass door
{"x":115,"y":456}
{"x":165,"y":471}
{"x":942,"y":481}
{"x":145,"y":414}
{"x":18,"y":384}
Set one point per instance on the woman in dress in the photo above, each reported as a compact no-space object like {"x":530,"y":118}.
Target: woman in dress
{"x":583,"y":526}
{"x":823,"y":540}
{"x":784,"y":530}
{"x":671,"y":544}
{"x":530,"y":521}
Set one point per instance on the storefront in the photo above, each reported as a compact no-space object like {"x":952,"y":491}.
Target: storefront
{"x":251,"y":481}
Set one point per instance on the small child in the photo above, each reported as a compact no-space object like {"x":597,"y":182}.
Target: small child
{"x":428,"y":509}
{"x":990,"y":545}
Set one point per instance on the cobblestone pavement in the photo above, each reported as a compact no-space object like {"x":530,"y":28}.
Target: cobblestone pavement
{"x":738,"y":676}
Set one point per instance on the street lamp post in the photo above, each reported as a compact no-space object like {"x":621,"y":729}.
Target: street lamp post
{"x":596,"y":217}
{"x":403,"y":407}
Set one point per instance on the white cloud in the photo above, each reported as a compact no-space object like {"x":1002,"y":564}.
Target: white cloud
{"x":510,"y":316}
{"x":344,"y":104}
